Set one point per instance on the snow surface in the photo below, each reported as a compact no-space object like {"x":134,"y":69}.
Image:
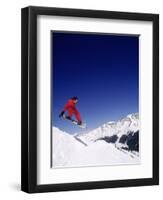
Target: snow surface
{"x":90,"y":149}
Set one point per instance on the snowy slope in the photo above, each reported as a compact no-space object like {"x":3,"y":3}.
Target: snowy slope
{"x":92,"y":149}
{"x":64,"y":146}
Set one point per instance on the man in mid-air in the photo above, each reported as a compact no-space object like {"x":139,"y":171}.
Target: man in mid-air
{"x":70,"y":108}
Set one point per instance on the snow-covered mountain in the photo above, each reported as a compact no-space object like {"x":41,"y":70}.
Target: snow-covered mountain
{"x":113,"y":143}
{"x":125,"y":131}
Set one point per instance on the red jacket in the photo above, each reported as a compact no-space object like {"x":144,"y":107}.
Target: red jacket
{"x":71,"y":109}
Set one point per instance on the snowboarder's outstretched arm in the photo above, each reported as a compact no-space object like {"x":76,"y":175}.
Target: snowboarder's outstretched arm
{"x":66,"y":108}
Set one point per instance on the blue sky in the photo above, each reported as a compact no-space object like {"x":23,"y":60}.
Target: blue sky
{"x":102,"y":70}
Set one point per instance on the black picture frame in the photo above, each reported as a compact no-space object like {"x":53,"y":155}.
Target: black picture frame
{"x":29,"y":99}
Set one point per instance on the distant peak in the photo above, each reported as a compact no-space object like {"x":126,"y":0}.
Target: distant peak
{"x":133,"y":115}
{"x":111,"y":122}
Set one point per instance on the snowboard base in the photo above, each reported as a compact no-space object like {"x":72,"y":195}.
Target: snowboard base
{"x":74,"y":122}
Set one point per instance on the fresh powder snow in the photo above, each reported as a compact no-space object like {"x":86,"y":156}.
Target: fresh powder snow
{"x":113,"y":143}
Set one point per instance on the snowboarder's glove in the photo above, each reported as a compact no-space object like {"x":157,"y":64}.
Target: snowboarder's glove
{"x":79,"y":123}
{"x":61,"y":114}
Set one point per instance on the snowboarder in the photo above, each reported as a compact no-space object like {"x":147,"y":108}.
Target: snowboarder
{"x":70,"y":107}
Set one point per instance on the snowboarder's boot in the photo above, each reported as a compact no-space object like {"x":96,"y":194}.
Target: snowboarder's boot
{"x":79,"y":123}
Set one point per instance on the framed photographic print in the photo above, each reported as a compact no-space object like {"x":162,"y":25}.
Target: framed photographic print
{"x":90,"y":99}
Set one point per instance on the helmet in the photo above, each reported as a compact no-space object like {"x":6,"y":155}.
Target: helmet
{"x":74,"y":98}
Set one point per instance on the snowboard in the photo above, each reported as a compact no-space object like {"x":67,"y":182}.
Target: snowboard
{"x":83,"y":125}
